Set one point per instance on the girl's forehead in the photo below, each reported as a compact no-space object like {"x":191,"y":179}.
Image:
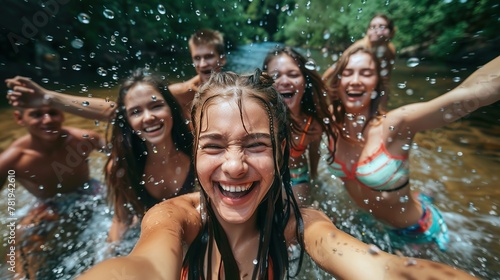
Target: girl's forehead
{"x":379,"y":20}
{"x":360,"y":59}
{"x":228,"y":113}
{"x":142,"y":91}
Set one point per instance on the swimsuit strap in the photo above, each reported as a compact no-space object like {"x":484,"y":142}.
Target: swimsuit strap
{"x":306,"y":129}
{"x":300,"y":148}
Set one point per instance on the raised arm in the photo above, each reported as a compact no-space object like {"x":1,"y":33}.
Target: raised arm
{"x":348,"y":258}
{"x":158,"y":254}
{"x":481,"y":88}
{"x":26,"y":93}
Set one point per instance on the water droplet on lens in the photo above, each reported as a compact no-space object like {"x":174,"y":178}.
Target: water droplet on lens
{"x":409,"y":91}
{"x":310,"y":65}
{"x":161,"y":9}
{"x":102,"y":72}
{"x":77,"y":43}
{"x":373,"y":249}
{"x":107,"y":13}
{"x":84,"y":18}
{"x":360,"y":119}
{"x":412,"y":62}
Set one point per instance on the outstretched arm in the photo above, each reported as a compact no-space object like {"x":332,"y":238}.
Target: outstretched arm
{"x":348,"y":258}
{"x":481,"y":88}
{"x":158,"y":253}
{"x":26,"y":93}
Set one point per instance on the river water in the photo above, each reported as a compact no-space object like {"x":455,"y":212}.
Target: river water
{"x":458,"y":164}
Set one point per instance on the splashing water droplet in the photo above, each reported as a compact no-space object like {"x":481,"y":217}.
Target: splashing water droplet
{"x":102,"y":72}
{"x":49,"y":38}
{"x":77,"y":43}
{"x":255,"y":262}
{"x":456,"y":79}
{"x":412,"y":62}
{"x":350,"y":116}
{"x":411,"y":262}
{"x":161,"y":9}
{"x":84,"y":18}
{"x":360,"y":119}
{"x":405,"y":147}
{"x":77,"y":67}
{"x":153,"y":97}
{"x":107,"y":13}
{"x":404,"y":199}
{"x":198,"y":13}
{"x":85,"y":103}
{"x":310,"y":65}
{"x":373,"y":249}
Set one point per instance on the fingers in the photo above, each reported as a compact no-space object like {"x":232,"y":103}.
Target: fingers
{"x":17,"y":80}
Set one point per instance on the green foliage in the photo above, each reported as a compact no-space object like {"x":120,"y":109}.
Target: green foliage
{"x":442,"y":27}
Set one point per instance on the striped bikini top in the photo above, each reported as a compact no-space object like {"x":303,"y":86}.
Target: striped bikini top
{"x":381,"y":171}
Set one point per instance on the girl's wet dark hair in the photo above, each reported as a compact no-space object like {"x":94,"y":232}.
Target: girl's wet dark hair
{"x":274,"y":211}
{"x":128,"y":151}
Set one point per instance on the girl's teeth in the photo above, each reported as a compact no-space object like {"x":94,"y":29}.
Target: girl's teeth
{"x":235,"y":188}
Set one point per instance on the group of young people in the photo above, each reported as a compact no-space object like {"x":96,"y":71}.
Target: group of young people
{"x":251,"y":148}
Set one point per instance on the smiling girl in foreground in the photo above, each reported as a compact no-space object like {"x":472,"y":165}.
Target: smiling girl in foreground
{"x":246,"y":216}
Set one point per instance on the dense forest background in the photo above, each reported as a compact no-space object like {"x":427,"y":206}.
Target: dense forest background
{"x":96,"y":33}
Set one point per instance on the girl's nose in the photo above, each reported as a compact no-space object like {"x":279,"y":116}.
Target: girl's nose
{"x":148,"y":116}
{"x":234,"y":164}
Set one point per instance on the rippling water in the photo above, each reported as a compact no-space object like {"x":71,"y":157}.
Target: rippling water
{"x":459,"y":165}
